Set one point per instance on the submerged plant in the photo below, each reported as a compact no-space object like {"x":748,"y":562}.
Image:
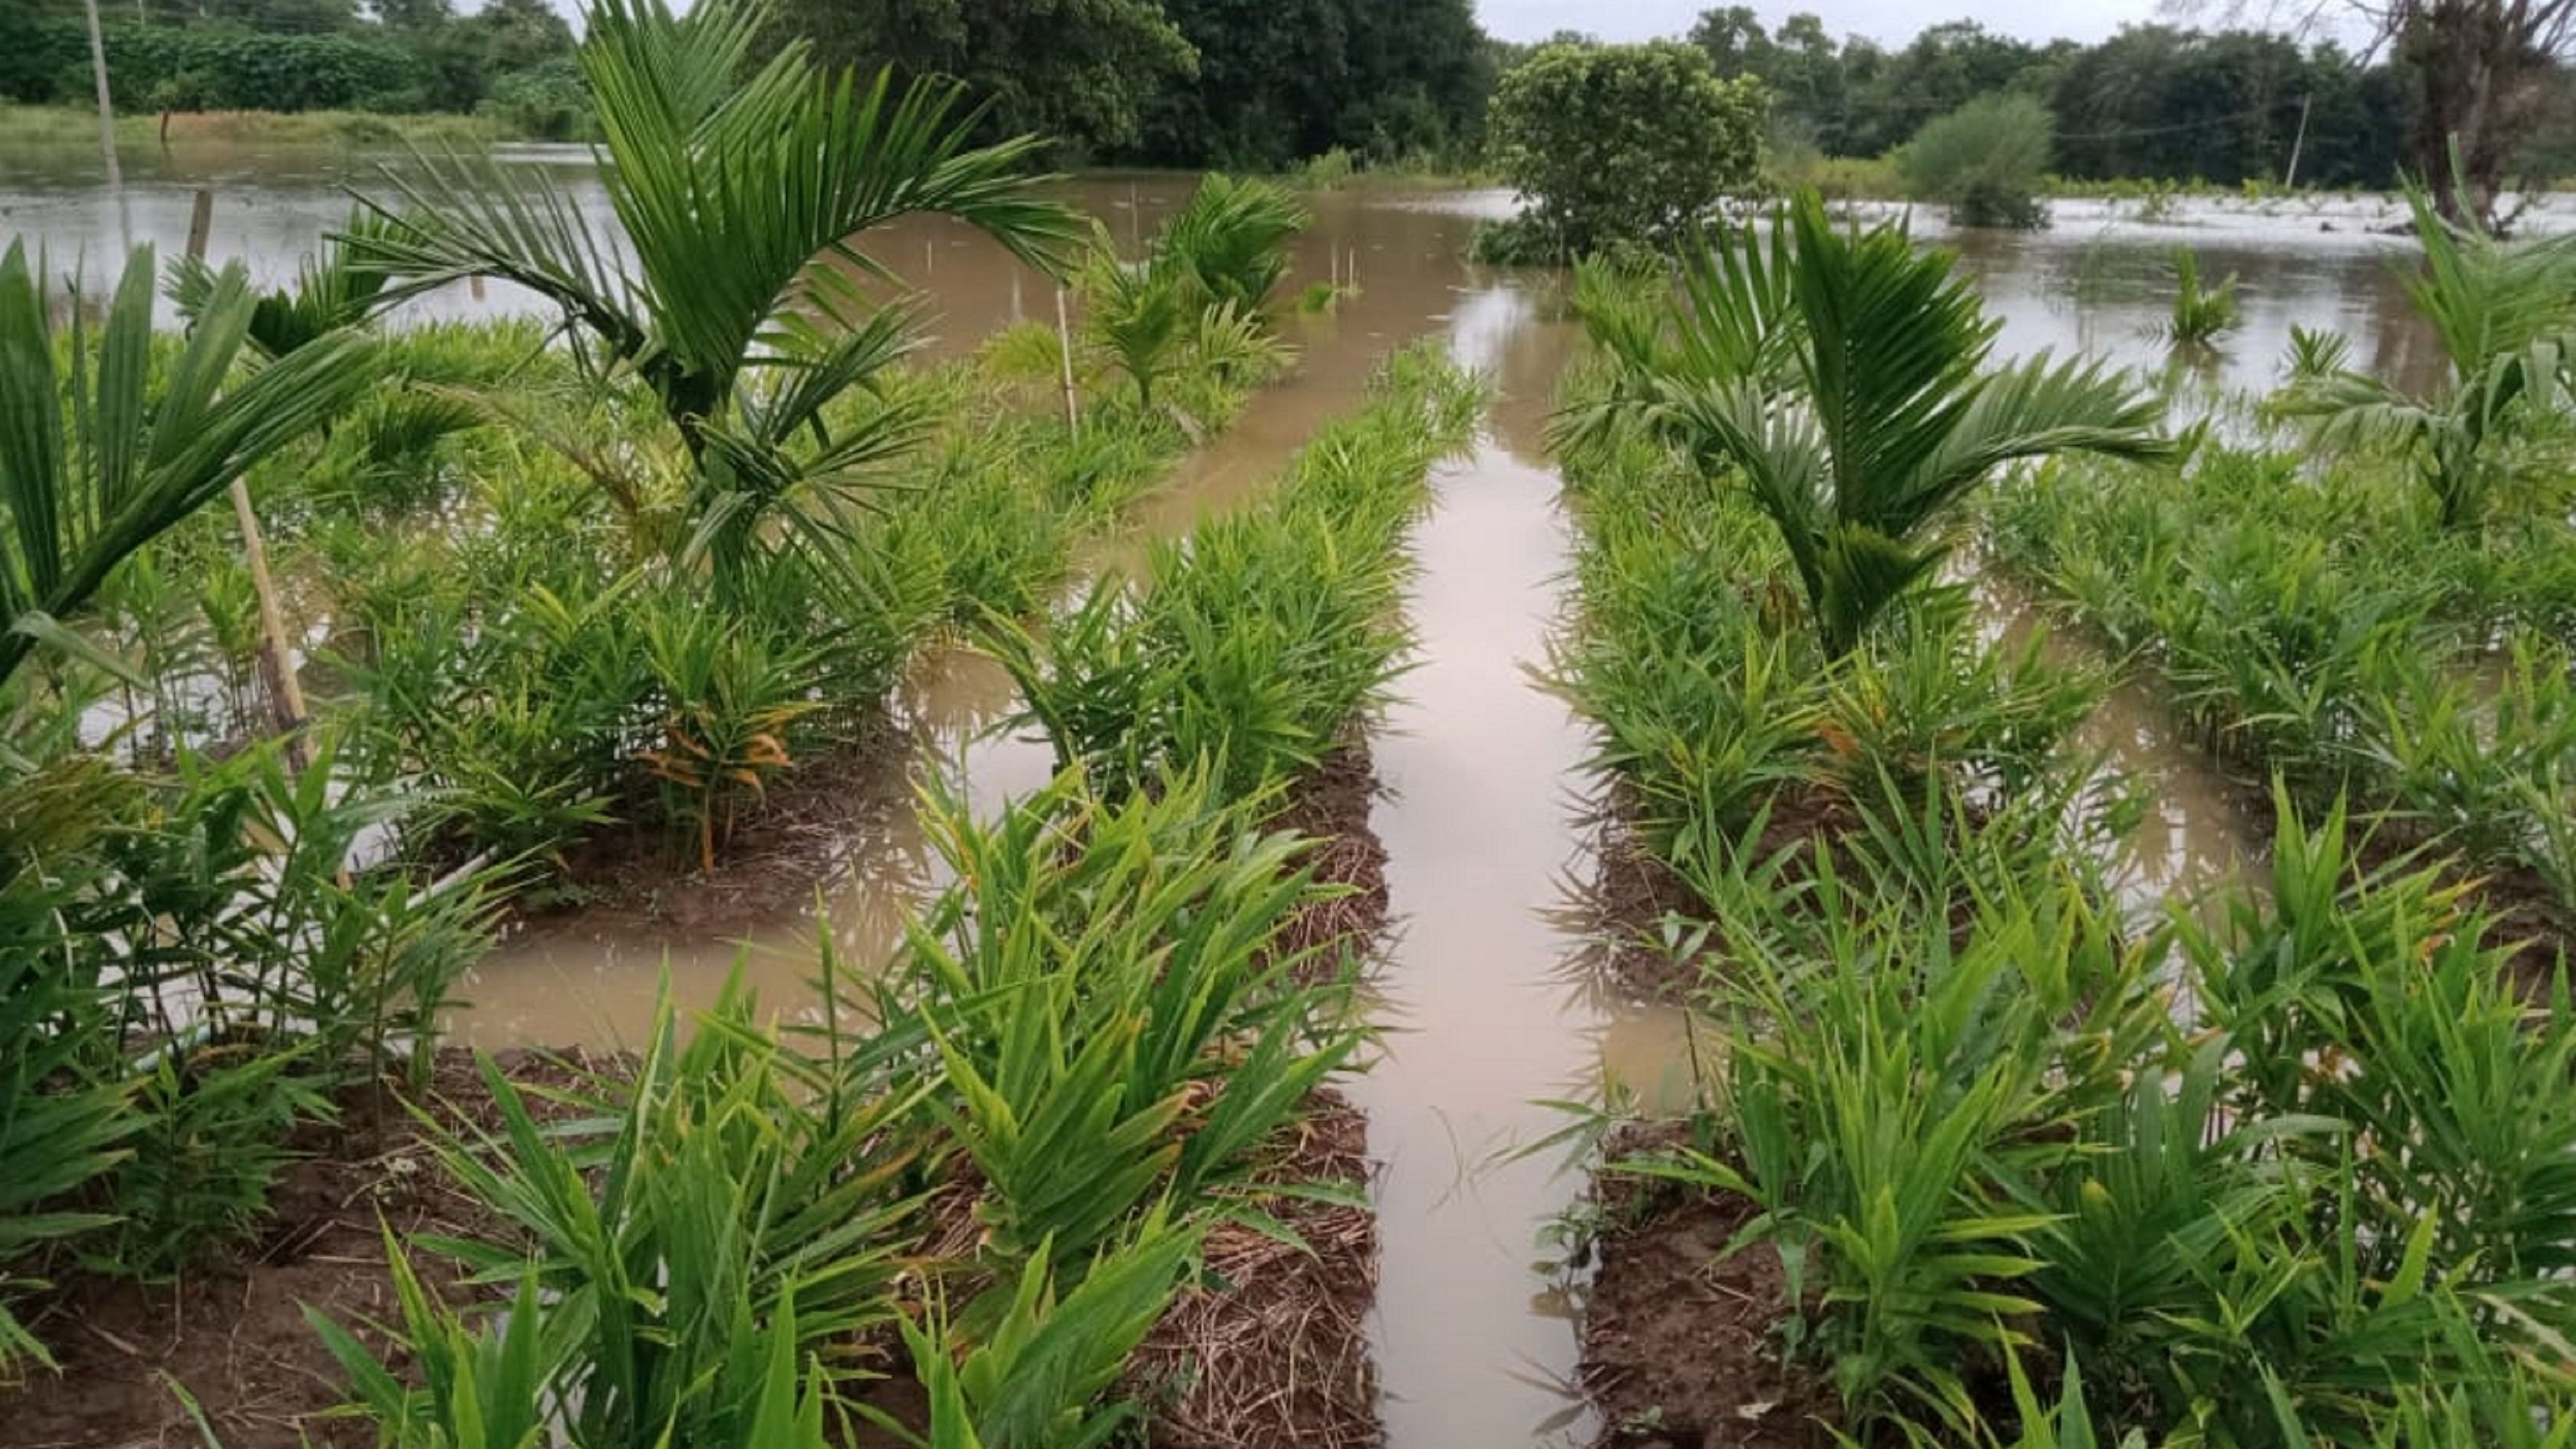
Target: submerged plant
{"x":2200,"y":314}
{"x":1231,"y":241}
{"x":2505,"y":313}
{"x":1141,"y":315}
{"x":1891,"y":416}
{"x":1204,"y":285}
{"x":740,"y":184}
{"x":335,"y":288}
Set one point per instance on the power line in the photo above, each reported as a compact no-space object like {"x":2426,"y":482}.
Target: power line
{"x":2177,"y":128}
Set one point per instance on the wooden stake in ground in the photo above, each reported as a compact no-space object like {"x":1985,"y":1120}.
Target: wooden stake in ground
{"x":1064,"y":347}
{"x":276,"y":655}
{"x":201,"y":221}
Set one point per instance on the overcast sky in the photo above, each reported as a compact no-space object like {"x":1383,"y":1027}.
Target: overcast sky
{"x":1888,"y":21}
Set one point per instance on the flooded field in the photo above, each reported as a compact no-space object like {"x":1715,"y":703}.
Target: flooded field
{"x":1488,"y":1008}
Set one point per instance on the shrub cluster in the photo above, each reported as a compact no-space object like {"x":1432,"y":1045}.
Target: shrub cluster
{"x":45,"y":58}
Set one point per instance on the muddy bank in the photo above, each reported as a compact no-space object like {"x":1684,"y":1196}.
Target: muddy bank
{"x":1330,"y":805}
{"x":813,"y":823}
{"x":1271,"y":1350}
{"x":1678,"y":1347}
{"x":1621,"y":912}
{"x":235,"y":1335}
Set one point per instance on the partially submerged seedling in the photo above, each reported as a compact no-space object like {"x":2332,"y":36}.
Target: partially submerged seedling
{"x":2201,"y":315}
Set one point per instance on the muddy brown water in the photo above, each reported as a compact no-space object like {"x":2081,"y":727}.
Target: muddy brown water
{"x":1485,"y":988}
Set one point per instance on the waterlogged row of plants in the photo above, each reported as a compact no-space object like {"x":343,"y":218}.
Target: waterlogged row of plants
{"x":995,"y":1195}
{"x":1977,"y":1158}
{"x":525,"y":609}
{"x":612,"y":581}
{"x":2379,"y":606}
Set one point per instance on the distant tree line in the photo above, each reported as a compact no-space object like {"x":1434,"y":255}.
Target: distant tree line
{"x":1264,"y":84}
{"x":1238,"y":84}
{"x":392,"y":56}
{"x":2153,"y":102}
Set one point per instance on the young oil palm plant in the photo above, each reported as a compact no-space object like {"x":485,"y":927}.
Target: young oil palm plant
{"x":335,"y":287}
{"x":1231,"y":241}
{"x":1141,"y":315}
{"x":2506,"y":317}
{"x":1884,"y":415}
{"x":739,"y":185}
{"x":141,"y":445}
{"x":2201,"y":313}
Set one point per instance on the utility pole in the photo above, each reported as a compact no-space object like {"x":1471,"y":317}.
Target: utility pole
{"x":2290,"y":180}
{"x":107,"y":124}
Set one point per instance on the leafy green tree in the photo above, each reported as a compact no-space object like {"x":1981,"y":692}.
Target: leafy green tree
{"x":521,"y":35}
{"x":1081,"y":71}
{"x":1281,"y":80}
{"x":1944,"y":68}
{"x":1810,"y":83}
{"x":1841,"y":380}
{"x":1631,"y":143}
{"x":548,"y":102}
{"x":1736,"y":42}
{"x":2478,"y":76}
{"x":285,"y":17}
{"x":2159,"y":101}
{"x":1985,"y":161}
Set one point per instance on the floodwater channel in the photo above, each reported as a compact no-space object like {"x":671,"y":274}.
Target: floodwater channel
{"x":1489,"y":1011}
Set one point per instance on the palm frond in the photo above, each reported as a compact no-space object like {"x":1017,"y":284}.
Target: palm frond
{"x":2031,"y":411}
{"x":1231,"y":241}
{"x":146,"y":447}
{"x":2485,"y":296}
{"x":339,"y":286}
{"x":1739,"y":317}
{"x":469,"y":216}
{"x":741,"y":187}
{"x":1893,"y":338}
{"x":1839,"y":378}
{"x":1779,"y":454}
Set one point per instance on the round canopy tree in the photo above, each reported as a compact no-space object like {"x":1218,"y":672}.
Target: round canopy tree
{"x":1612,"y":143}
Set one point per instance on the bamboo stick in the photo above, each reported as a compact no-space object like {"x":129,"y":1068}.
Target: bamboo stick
{"x":277,"y":656}
{"x":1064,"y":347}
